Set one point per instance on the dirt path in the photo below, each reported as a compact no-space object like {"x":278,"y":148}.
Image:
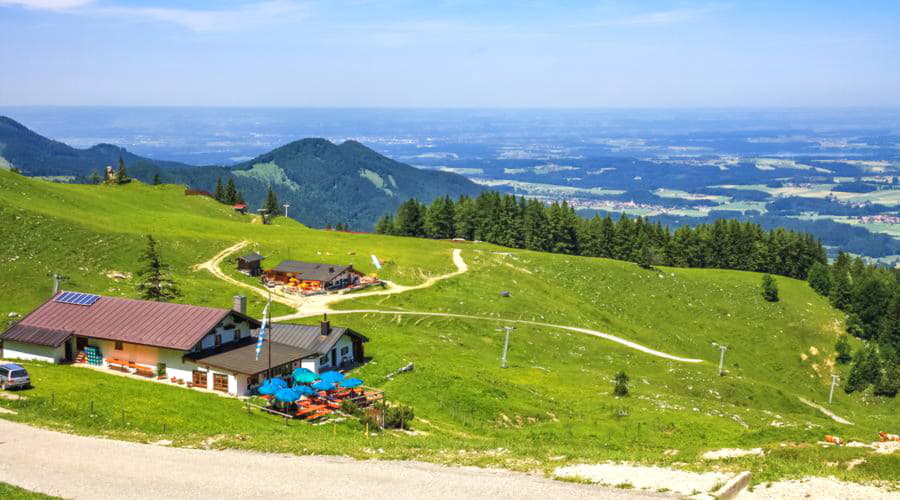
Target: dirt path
{"x":321,"y":304}
{"x":81,"y":467}
{"x":826,"y":411}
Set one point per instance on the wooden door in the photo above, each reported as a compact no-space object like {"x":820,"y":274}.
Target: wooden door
{"x":220,"y":382}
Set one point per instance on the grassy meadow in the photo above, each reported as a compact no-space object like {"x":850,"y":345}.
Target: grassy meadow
{"x":552,"y":406}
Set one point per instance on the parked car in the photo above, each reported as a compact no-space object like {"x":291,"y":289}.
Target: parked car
{"x":13,"y":376}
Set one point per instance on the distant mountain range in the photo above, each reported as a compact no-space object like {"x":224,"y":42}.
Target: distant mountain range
{"x":325,"y":183}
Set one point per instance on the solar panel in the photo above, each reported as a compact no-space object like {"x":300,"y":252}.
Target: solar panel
{"x":81,"y":299}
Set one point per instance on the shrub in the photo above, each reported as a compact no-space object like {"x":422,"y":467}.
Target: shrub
{"x":866,"y":371}
{"x":889,"y":383}
{"x":398,"y":417}
{"x":842,"y":348}
{"x":350,"y":408}
{"x":855,"y":326}
{"x":621,"y":388}
{"x":160,"y":370}
{"x":769,"y":288}
{"x":366,"y":418}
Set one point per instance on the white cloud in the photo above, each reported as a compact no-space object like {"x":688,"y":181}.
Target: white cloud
{"x":241,"y":17}
{"x":58,"y":5}
{"x":244,"y":16}
{"x":660,"y":17}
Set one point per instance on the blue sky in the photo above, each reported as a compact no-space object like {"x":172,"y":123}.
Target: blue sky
{"x":450,"y":53}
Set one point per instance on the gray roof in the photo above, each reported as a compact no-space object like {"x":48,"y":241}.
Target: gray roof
{"x":309,"y":337}
{"x":311,"y":270}
{"x":242,"y":358}
{"x":251,"y":257}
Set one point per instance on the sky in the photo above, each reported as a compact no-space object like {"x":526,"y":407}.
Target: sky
{"x":450,"y":53}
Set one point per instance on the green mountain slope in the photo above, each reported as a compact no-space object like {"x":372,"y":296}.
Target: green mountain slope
{"x":552,"y":406}
{"x":325,"y":183}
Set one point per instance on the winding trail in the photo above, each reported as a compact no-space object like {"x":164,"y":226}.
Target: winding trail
{"x":316,"y":305}
{"x":826,"y":412}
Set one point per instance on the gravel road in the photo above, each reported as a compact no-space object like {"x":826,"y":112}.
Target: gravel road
{"x":80,"y":467}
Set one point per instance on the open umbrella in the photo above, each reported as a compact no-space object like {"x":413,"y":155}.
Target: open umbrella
{"x":323,"y":386}
{"x":304,"y":376}
{"x":332,"y":377}
{"x":286,"y":395}
{"x":304,"y":390}
{"x":350,"y":383}
{"x":267,"y":389}
{"x":277,"y":382}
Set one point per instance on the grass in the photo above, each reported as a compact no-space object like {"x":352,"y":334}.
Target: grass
{"x":10,"y":492}
{"x":553,"y":406}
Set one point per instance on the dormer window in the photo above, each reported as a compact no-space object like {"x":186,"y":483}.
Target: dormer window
{"x":218,"y":340}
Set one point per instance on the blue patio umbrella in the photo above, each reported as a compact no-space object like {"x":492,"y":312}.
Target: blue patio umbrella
{"x":323,"y":386}
{"x":350,"y":383}
{"x":331,"y":376}
{"x":276,"y":382}
{"x":304,"y":376}
{"x":304,"y":390}
{"x":287,"y":395}
{"x":267,"y":389}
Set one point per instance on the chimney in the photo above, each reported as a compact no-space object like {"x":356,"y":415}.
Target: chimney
{"x":325,"y":326}
{"x":240,"y":304}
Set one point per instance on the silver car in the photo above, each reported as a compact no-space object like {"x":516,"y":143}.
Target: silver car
{"x":13,"y":376}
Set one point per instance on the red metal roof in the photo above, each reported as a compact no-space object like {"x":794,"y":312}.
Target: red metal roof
{"x":36,"y":335}
{"x":159,"y":324}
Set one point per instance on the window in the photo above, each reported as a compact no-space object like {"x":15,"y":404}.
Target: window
{"x":323,"y":360}
{"x":251,"y":381}
{"x":344,"y":350}
{"x":220,"y":382}
{"x":218,"y":340}
{"x":237,"y":335}
{"x":118,"y":345}
{"x":199,"y":378}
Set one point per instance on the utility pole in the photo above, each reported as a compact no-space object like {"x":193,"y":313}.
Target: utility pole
{"x":508,"y":329}
{"x":834,"y":379}
{"x":286,"y":206}
{"x":722,"y":349}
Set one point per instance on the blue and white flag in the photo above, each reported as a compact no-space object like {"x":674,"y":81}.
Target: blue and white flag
{"x":262,"y":329}
{"x":375,"y":262}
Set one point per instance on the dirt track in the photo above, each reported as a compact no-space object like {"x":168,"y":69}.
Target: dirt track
{"x":320,"y":304}
{"x":80,"y":467}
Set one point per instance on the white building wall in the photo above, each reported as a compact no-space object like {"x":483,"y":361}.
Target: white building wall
{"x":32,"y":352}
{"x":345,"y":341}
{"x":241,"y":329}
{"x":148,"y":356}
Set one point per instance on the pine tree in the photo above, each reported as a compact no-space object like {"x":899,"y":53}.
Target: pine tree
{"x":819,"y":278}
{"x":535,"y":234}
{"x":230,"y":195}
{"x":769,"y":288}
{"x":870,"y":299}
{"x":843,"y":350}
{"x":121,"y":173}
{"x":866,"y":371}
{"x":156,"y":180}
{"x":621,"y":388}
{"x":272,"y":206}
{"x":889,"y":383}
{"x":409,"y":220}
{"x":385,"y":225}
{"x":439,"y":219}
{"x":155,"y":281}
{"x":219,"y":193}
{"x":840,"y":288}
{"x":464,"y":218}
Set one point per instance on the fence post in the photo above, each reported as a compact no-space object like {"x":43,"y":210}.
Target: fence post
{"x":52,"y":398}
{"x":123,"y":414}
{"x":92,"y":407}
{"x":164,"y":428}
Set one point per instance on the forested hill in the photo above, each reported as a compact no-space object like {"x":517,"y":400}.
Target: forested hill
{"x":325,"y":183}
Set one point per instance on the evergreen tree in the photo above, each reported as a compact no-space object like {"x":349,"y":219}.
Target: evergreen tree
{"x":272,"y":206}
{"x":385,"y":225}
{"x":464,"y":221}
{"x":819,"y":278}
{"x":121,"y":173}
{"x":230,"y":197}
{"x":239,"y":198}
{"x":219,"y":193}
{"x":870,"y":300}
{"x":156,"y":180}
{"x":769,"y":288}
{"x":535,"y":227}
{"x":94,"y":178}
{"x":155,"y":281}
{"x":621,"y":388}
{"x":889,"y":383}
{"x":409,"y":220}
{"x":843,"y":350}
{"x":866,"y":371}
{"x":840,"y":288}
{"x":439,"y":219}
